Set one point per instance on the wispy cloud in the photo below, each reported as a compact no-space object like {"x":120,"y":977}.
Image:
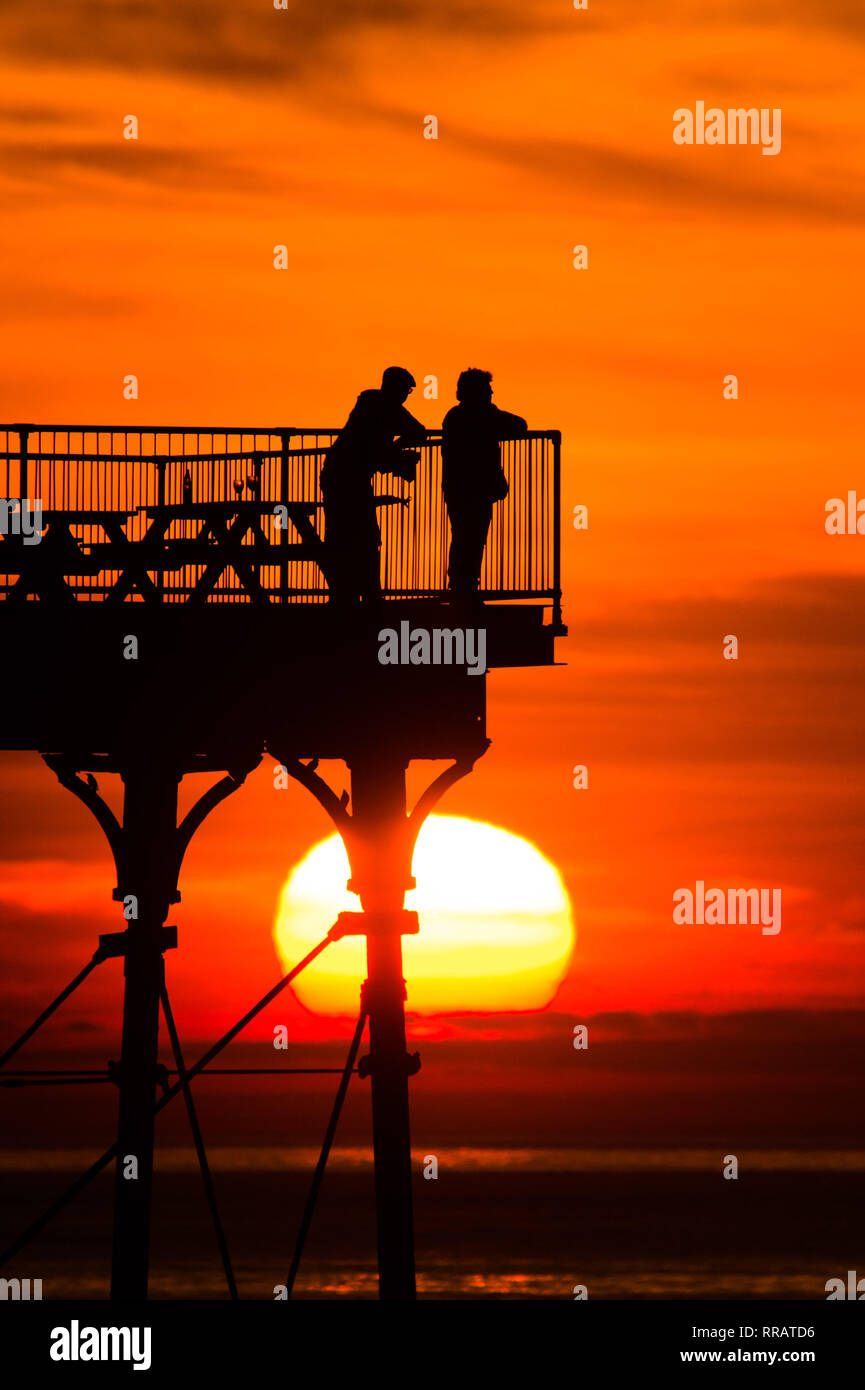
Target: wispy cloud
{"x":236,"y":41}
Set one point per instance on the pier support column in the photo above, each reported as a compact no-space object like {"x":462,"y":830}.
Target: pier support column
{"x":379,"y":837}
{"x":148,"y":848}
{"x":149,"y":875}
{"x":381,"y":873}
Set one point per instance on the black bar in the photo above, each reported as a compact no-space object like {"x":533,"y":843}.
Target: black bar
{"x":149,"y":829}
{"x":381,"y":876}
{"x":557,"y":529}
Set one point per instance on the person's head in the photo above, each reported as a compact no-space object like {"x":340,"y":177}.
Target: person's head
{"x":475,"y":387}
{"x":397,"y":383}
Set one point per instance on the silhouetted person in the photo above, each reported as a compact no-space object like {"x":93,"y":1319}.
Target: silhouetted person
{"x":473,"y":479}
{"x":376,"y":438}
{"x":187,"y":488}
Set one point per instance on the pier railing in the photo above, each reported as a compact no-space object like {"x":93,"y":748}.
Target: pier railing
{"x":151,"y":513}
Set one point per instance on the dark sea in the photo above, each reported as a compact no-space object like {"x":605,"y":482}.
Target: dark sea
{"x":495,"y":1224}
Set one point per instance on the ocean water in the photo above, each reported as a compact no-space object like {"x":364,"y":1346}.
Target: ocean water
{"x":495,"y":1223}
{"x":299,"y":1159}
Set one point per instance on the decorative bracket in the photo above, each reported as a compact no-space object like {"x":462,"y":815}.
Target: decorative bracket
{"x":61,"y":764}
{"x":87,"y":791}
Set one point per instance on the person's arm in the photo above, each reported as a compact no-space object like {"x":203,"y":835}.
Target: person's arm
{"x":397,"y":457}
{"x":409,"y":430}
{"x":510,"y":426}
{"x":389,"y":499}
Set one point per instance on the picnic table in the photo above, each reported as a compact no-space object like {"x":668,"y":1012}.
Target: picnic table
{"x":43,"y":568}
{"x":229,"y":537}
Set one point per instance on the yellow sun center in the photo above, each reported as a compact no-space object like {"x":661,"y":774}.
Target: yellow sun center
{"x":495,"y":923}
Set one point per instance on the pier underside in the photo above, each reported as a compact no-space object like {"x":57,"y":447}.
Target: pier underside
{"x":220,"y":681}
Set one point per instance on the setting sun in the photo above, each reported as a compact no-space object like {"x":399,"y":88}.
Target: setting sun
{"x":496,"y":929}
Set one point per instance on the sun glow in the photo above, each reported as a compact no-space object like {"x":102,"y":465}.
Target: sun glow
{"x":495,"y":924}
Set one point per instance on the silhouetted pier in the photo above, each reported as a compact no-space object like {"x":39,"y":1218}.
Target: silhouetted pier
{"x":172,"y":616}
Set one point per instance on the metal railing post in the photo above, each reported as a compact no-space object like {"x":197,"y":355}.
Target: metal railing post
{"x":160,"y":502}
{"x":531,"y":474}
{"x":23,"y":469}
{"x":556,"y":436}
{"x":285,"y":436}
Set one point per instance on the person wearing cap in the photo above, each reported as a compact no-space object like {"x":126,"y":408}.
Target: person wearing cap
{"x":473,"y":479}
{"x":377,"y":438}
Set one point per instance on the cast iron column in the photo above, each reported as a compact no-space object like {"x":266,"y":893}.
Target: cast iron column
{"x":381,"y":868}
{"x":149,"y":872}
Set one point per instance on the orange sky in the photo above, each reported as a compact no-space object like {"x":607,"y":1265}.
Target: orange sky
{"x":304,"y":127}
